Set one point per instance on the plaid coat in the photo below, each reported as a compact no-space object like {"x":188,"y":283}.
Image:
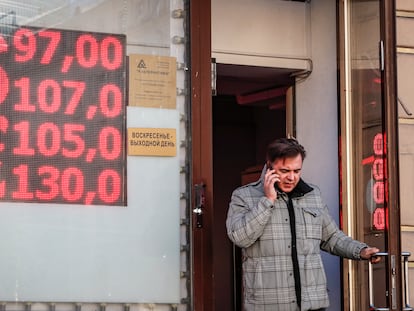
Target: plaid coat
{"x":262,"y":229}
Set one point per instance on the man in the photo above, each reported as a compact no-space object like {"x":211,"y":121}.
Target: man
{"x":281,"y":223}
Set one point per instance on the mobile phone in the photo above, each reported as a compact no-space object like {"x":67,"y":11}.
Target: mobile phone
{"x":275,"y":184}
{"x":269,"y":167}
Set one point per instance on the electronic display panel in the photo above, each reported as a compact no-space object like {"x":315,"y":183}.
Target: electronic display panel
{"x":62,"y":117}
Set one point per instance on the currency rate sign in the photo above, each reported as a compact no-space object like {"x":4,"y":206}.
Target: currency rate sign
{"x":62,"y":117}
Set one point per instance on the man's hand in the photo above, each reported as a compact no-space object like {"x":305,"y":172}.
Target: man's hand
{"x":270,"y":179}
{"x":369,"y":253}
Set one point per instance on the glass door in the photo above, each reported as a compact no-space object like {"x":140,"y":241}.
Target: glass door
{"x":369,"y":180}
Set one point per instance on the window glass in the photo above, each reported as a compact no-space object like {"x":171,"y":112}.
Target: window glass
{"x":90,"y":159}
{"x":368,"y":134}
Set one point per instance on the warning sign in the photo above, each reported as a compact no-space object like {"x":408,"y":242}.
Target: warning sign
{"x":152,"y":81}
{"x":152,"y":142}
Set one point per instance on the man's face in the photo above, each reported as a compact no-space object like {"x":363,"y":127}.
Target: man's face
{"x":289,"y":170}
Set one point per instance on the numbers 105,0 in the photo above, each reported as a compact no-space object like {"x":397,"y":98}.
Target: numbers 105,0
{"x":51,"y":140}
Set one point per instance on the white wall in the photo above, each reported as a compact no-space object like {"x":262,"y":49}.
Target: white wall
{"x":272,"y":33}
{"x":317,"y":123}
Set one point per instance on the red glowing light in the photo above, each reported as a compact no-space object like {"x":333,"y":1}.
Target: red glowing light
{"x":378,"y":218}
{"x":4,"y":82}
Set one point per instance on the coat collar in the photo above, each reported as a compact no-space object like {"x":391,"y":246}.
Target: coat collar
{"x":300,"y":190}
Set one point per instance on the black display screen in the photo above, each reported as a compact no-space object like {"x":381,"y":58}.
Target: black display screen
{"x":62,"y":117}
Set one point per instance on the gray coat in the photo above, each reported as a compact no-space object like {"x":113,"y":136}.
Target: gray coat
{"x":261,"y":228}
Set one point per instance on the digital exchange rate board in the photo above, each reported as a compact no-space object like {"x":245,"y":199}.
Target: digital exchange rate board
{"x":62,"y":117}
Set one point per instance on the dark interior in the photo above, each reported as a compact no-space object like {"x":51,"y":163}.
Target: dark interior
{"x":249,"y":111}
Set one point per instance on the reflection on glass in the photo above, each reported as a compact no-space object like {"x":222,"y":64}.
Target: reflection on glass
{"x":369,"y":140}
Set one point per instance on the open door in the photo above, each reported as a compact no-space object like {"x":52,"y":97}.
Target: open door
{"x":369,"y":150}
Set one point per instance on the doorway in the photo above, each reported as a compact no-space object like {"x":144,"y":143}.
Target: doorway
{"x":248,"y":111}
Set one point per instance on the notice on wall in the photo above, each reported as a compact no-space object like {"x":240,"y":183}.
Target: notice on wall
{"x":152,"y":142}
{"x":152,"y":81}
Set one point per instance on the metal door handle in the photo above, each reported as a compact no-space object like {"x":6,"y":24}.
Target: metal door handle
{"x":371,"y":286}
{"x":406,"y":283}
{"x":199,"y":190}
{"x":407,"y":306}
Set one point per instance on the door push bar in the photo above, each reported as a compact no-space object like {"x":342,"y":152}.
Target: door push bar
{"x":406,"y":293}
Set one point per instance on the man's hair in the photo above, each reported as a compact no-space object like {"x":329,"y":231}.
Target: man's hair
{"x":283,"y":148}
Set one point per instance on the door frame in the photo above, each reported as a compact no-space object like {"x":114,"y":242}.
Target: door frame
{"x":201,"y":154}
{"x":389,"y":89}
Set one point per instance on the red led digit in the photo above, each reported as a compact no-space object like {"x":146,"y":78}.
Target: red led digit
{"x":50,"y":181}
{"x":87,"y":51}
{"x":379,"y":218}
{"x":4,"y":82}
{"x":4,"y":125}
{"x":23,"y":149}
{"x":109,"y":186}
{"x":2,"y":187}
{"x":71,"y":134}
{"x":49,"y":96}
{"x":78,"y":90}
{"x":378,"y":192}
{"x":110,"y":143}
{"x":377,"y":144}
{"x":48,"y":139}
{"x":110,"y":99}
{"x":378,"y":169}
{"x":72,"y":183}
{"x":4,"y":47}
{"x":110,"y":46}
{"x":25,"y":43}
{"x":22,"y":192}
{"x":24,"y":85}
{"x":54,"y":39}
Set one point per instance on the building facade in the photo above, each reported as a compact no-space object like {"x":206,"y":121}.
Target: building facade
{"x":125,"y":125}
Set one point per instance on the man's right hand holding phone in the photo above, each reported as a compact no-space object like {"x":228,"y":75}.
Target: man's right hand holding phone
{"x":270,"y":180}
